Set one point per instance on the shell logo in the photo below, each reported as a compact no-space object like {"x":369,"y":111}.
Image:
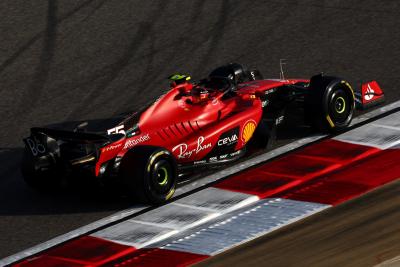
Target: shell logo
{"x":248,"y":130}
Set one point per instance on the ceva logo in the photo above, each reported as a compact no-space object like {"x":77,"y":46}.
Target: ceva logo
{"x":228,"y":140}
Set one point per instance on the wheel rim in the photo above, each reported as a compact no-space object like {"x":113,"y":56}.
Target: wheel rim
{"x":339,"y":107}
{"x":162,"y":176}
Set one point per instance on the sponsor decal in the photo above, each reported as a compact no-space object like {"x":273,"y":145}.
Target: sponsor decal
{"x":184,"y":153}
{"x":264,"y":103}
{"x":213,"y":159}
{"x":219,"y":158}
{"x":111,"y":147}
{"x":35,"y":146}
{"x":248,"y":130}
{"x":223,"y":156}
{"x":369,"y":93}
{"x":116,"y":130}
{"x":133,"y":142}
{"x":235,"y":153}
{"x":199,"y":162}
{"x":228,"y":140}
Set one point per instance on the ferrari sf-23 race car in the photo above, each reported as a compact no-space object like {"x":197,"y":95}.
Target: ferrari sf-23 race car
{"x":193,"y":124}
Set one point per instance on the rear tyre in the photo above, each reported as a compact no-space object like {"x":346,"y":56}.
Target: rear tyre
{"x":149,"y":174}
{"x":329,"y":106}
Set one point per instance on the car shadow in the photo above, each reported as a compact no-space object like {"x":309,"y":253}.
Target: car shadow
{"x":18,"y":198}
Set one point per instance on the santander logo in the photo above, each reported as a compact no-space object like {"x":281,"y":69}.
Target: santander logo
{"x":369,"y":93}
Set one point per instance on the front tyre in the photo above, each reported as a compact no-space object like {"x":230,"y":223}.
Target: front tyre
{"x":329,"y":106}
{"x":149,"y":174}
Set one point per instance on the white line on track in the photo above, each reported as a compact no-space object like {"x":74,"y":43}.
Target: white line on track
{"x":206,"y":180}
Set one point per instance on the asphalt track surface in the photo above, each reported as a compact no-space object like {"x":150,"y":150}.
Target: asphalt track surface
{"x":65,"y":61}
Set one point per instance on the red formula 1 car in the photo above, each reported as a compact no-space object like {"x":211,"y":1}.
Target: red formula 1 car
{"x":193,"y":124}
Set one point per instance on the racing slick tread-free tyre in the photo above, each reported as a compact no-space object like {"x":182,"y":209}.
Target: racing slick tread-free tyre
{"x":149,"y":174}
{"x":329,"y":106}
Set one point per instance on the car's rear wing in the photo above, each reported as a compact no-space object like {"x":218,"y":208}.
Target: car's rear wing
{"x":81,"y":137}
{"x":82,"y":146}
{"x":370,"y":95}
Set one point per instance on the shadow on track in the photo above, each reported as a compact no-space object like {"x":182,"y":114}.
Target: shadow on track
{"x":79,"y":197}
{"x":19,"y":199}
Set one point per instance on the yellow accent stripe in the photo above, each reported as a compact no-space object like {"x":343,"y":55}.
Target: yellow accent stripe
{"x":330,"y":121}
{"x":153,"y":158}
{"x":351,"y":88}
{"x":170,"y":194}
{"x":352,"y":92}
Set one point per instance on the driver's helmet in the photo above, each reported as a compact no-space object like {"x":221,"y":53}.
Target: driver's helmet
{"x":177,"y":79}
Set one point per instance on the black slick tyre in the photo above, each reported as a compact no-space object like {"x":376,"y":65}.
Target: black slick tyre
{"x":329,"y":105}
{"x":149,"y":174}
